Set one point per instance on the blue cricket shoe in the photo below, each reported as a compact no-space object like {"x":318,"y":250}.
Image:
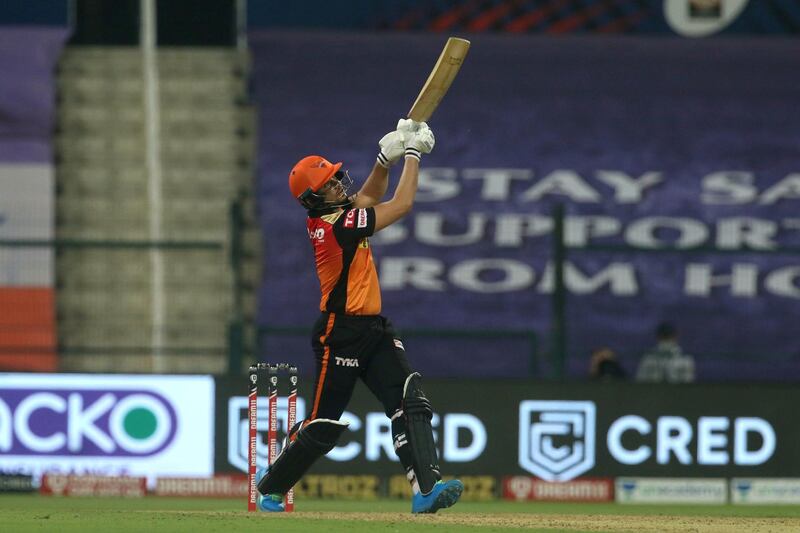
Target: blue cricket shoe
{"x":271,"y":503}
{"x":443,"y":495}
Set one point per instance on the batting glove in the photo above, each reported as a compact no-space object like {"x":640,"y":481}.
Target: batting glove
{"x":421,"y":142}
{"x":392,"y":148}
{"x":408,"y":126}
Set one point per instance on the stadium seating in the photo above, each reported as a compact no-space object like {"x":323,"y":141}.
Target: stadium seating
{"x":105,"y":287}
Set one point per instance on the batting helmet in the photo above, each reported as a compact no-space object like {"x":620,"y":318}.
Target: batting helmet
{"x":309,"y":175}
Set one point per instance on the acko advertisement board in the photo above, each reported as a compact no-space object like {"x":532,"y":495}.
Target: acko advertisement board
{"x":556,"y":432}
{"x":110,"y":425}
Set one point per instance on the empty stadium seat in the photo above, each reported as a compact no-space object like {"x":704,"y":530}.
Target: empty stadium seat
{"x":105,"y":295}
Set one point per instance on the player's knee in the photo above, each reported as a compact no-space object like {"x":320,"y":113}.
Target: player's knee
{"x":292,"y":435}
{"x":414,"y":400}
{"x":320,"y":435}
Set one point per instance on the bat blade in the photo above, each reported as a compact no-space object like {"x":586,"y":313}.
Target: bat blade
{"x":440,"y":79}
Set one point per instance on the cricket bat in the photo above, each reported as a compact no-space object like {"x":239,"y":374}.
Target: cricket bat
{"x":440,"y":79}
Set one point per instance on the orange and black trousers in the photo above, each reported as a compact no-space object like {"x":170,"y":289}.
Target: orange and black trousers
{"x":352,"y":347}
{"x":348,"y":348}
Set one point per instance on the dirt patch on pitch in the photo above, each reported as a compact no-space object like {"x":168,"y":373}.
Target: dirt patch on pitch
{"x":698,"y":524}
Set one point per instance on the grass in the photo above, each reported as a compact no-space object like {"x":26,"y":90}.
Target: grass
{"x":23,"y":513}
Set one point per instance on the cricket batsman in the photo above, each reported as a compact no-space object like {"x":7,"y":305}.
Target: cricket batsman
{"x":351,"y":339}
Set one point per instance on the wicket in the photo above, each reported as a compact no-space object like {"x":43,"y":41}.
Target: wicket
{"x":273,"y":373}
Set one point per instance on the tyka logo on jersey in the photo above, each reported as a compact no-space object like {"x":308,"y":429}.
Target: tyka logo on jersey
{"x":346,"y":361}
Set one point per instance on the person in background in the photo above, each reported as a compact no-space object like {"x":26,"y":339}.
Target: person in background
{"x":604,"y":365}
{"x":666,"y":362}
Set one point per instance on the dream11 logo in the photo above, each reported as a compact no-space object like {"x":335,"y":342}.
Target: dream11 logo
{"x":556,"y":438}
{"x":239,"y":428}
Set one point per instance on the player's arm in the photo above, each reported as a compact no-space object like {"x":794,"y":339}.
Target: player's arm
{"x":374,"y":187}
{"x":389,"y":212}
{"x":386,"y":213}
{"x":392,"y":148}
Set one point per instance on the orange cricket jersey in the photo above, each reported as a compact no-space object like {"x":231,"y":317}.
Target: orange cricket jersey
{"x":347,"y":276}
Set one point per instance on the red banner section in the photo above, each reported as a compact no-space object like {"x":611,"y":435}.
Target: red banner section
{"x":27,"y":329}
{"x":221,"y":486}
{"x":74,"y":485}
{"x":525,"y":488}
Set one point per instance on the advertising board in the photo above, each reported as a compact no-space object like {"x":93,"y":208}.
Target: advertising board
{"x":556,"y":432}
{"x":765,"y":491}
{"x":106,"y":425}
{"x":672,"y":490}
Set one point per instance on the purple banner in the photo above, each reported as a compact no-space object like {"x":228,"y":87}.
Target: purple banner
{"x":28,"y":57}
{"x":649,"y":144}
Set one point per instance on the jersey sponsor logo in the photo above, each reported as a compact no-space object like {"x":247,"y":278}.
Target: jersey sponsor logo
{"x":362,"y":218}
{"x":350,"y":218}
{"x":346,"y":361}
{"x":399,"y":344}
{"x":318,"y":234}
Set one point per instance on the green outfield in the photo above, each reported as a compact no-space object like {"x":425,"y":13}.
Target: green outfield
{"x":21,"y":513}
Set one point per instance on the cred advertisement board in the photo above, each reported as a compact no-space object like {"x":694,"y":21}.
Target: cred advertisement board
{"x":110,"y":425}
{"x":558,"y":432}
